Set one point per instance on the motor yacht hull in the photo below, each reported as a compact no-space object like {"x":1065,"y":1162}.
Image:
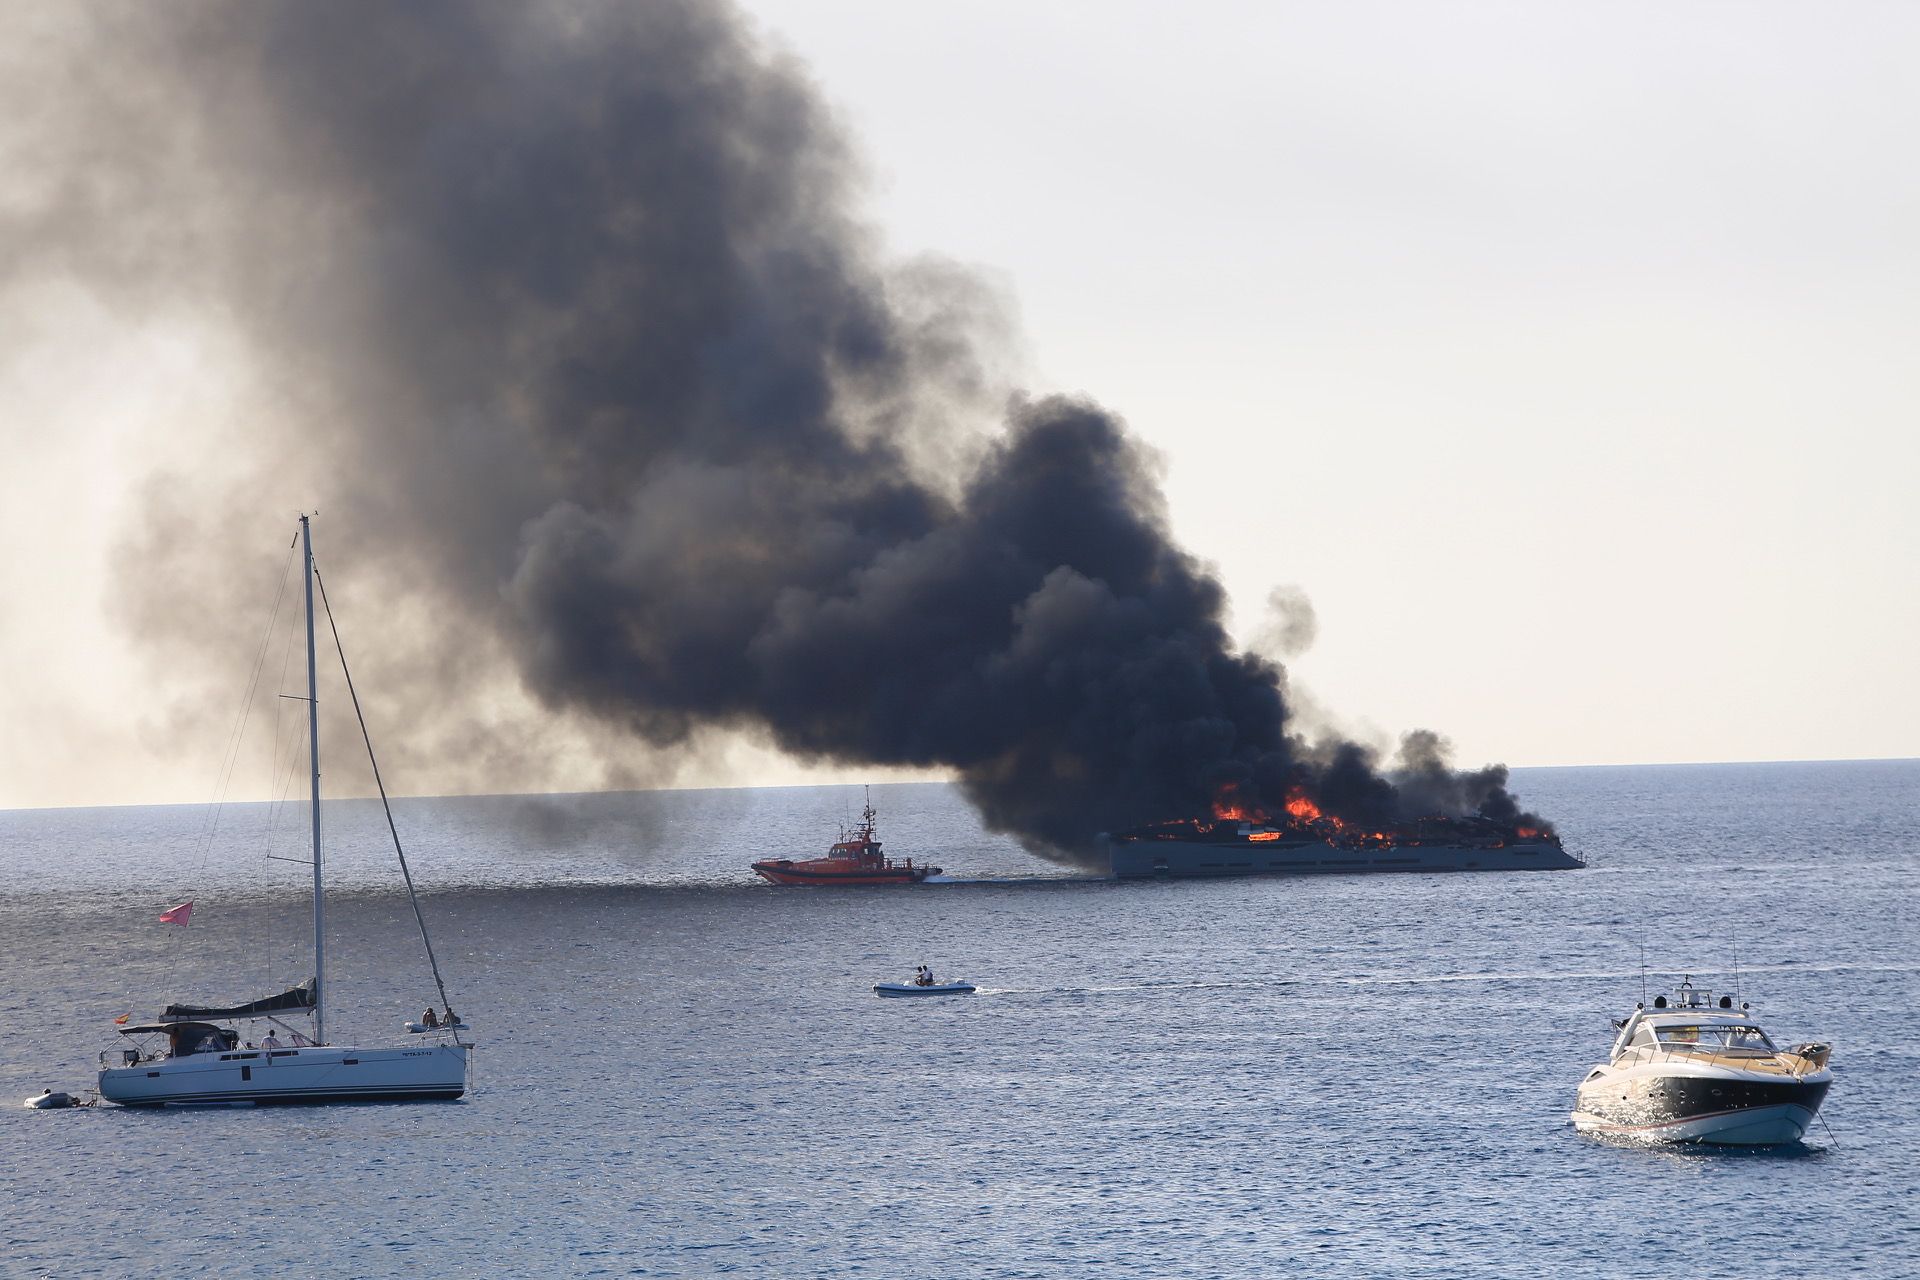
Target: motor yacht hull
{"x":265,"y":1077}
{"x":1750,"y":1127}
{"x":1728,"y":1108}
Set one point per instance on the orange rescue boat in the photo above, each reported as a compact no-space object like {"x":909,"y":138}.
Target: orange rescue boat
{"x":854,"y":859}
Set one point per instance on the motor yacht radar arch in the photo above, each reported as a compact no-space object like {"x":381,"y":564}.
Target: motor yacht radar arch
{"x":193,"y":1055}
{"x":1695,"y":1068}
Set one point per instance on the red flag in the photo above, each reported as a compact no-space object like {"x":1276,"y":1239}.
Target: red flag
{"x":123,"y":1020}
{"x":178,"y":915}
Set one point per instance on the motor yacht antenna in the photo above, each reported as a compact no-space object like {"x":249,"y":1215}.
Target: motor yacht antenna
{"x":1643,"y":969}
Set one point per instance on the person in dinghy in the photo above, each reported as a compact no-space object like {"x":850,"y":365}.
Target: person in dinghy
{"x":924,"y":983}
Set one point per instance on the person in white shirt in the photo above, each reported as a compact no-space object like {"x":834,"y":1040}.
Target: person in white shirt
{"x":271,"y":1042}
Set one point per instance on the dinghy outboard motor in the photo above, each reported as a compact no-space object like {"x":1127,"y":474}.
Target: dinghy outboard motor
{"x":51,"y":1101}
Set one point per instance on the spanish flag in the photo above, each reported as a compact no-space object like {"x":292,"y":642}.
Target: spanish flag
{"x":123,"y":1020}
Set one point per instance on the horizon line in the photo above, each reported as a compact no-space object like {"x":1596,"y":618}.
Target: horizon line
{"x":799,"y":786}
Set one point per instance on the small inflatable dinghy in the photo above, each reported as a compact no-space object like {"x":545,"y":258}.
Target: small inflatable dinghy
{"x":51,"y":1101}
{"x":915,"y":989}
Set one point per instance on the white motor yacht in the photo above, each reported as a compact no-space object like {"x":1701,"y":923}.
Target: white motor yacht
{"x":1695,"y":1068}
{"x":194,"y":1054}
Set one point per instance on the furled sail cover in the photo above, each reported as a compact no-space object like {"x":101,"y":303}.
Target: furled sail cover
{"x":297,"y":1000}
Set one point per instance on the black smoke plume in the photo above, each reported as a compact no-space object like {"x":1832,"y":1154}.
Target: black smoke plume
{"x":562,"y":315}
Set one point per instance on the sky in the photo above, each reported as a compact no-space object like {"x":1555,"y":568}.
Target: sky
{"x":1562,"y":355}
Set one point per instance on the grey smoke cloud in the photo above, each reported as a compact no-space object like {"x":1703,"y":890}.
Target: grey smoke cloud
{"x":1289,"y":627}
{"x":630,"y":430}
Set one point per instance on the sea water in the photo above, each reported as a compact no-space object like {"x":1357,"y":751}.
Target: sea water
{"x":684,"y":1072}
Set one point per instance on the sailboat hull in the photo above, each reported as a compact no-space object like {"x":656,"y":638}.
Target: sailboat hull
{"x":278,"y":1077}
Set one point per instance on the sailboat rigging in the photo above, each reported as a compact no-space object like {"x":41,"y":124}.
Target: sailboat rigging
{"x":202,"y":1063}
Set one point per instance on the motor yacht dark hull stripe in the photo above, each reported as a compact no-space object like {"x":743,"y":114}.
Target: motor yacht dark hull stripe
{"x":1677,"y":1099}
{"x":294,"y":1097}
{"x":1656,"y":1128}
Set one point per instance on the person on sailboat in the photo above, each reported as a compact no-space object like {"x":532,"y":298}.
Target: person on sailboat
{"x":271,"y":1042}
{"x":429,"y":1018}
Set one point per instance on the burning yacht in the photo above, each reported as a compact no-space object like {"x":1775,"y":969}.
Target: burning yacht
{"x":1242,"y":841}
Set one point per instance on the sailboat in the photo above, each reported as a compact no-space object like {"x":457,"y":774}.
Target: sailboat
{"x":193,"y":1054}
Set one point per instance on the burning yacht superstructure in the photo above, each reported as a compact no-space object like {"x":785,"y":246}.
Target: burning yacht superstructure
{"x":1241,"y":841}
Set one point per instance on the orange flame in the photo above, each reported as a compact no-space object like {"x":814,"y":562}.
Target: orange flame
{"x":1302,"y":808}
{"x":1302,"y":816}
{"x":1301,"y":812}
{"x":1227,"y":806}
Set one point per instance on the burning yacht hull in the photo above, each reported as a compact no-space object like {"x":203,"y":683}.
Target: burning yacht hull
{"x":1147,"y":857}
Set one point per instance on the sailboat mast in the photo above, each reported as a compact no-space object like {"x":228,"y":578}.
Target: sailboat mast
{"x":313,"y":764}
